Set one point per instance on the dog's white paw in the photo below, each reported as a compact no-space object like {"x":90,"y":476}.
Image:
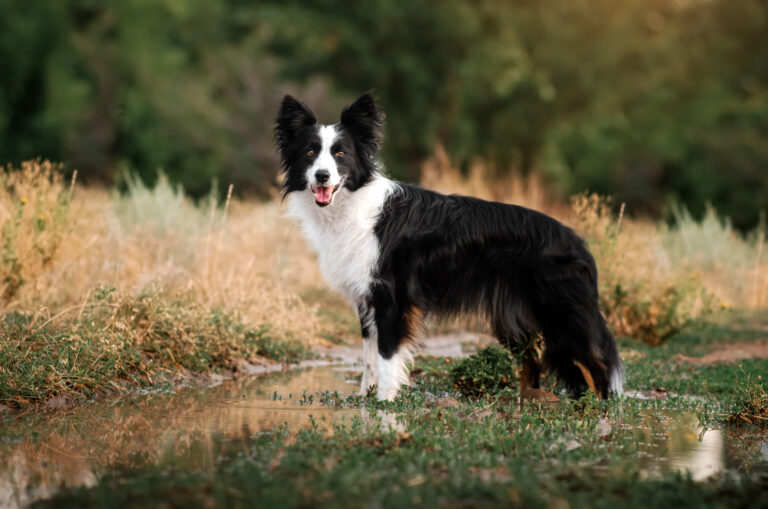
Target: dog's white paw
{"x":387,"y":393}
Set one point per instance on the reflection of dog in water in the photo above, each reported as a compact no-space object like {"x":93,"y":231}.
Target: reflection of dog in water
{"x":398,"y":252}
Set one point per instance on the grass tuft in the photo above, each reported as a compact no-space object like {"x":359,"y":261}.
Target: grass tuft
{"x":485,"y":373}
{"x":751,"y":408}
{"x":113,"y":336}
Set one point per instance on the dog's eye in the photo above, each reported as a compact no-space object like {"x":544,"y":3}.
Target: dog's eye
{"x":310,"y":153}
{"x":339,"y":154}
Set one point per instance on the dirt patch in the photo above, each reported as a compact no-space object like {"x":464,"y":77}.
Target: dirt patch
{"x":731,"y":353}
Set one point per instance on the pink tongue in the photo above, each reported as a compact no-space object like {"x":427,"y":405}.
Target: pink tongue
{"x":323,"y":194}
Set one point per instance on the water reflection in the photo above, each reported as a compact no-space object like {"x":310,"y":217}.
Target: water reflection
{"x":677,"y":441}
{"x":704,"y":458}
{"x":190,"y":429}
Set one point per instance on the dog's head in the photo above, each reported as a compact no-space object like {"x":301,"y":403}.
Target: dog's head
{"x":322,"y":159}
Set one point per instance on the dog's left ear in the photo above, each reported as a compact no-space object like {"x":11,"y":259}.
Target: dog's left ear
{"x":363,"y":121}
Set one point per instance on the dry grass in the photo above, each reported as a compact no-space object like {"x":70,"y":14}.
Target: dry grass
{"x":62,"y":242}
{"x":244,"y":257}
{"x":34,"y":208}
{"x":438,"y":174}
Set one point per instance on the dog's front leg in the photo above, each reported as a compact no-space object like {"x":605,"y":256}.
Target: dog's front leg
{"x":394,"y":329}
{"x":370,"y":349}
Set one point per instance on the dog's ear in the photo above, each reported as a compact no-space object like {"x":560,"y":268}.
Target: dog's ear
{"x":293,"y":116}
{"x":363,"y":122}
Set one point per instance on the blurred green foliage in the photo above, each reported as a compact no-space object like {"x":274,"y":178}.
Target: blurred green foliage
{"x":648,"y":100}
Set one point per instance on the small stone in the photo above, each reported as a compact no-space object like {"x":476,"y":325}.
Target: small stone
{"x":58,"y":402}
{"x":446,"y":402}
{"x":479,"y":416}
{"x":214,"y":380}
{"x":603,"y":427}
{"x":572,"y":445}
{"x":246,"y":368}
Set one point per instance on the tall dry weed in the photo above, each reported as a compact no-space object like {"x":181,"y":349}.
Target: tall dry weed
{"x":642,"y":294}
{"x":732,"y":265}
{"x":236,"y":258}
{"x":34,"y":207}
{"x":440,"y":175}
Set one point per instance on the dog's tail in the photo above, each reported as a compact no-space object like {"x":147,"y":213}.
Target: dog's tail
{"x":612,"y":360}
{"x":579,"y":348}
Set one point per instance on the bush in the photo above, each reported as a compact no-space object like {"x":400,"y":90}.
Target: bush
{"x":487,"y":372}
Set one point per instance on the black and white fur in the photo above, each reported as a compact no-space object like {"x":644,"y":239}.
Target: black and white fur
{"x":398,"y":252}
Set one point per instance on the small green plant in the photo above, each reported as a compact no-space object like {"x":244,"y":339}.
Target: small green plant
{"x":751,"y":408}
{"x":485,"y":373}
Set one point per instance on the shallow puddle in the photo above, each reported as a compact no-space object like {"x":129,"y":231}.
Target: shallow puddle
{"x":190,"y":429}
{"x":677,"y":441}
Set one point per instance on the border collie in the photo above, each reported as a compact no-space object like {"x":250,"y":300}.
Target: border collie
{"x":398,"y":253}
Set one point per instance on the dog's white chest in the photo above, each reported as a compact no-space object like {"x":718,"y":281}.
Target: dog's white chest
{"x":343,"y":235}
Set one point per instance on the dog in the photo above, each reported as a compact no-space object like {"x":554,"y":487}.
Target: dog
{"x":399,"y":253}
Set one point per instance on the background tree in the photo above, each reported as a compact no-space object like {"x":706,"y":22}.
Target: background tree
{"x":648,"y":100}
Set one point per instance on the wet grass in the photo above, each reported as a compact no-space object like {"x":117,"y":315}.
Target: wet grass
{"x":114,"y":342}
{"x":442,"y":448}
{"x":751,"y":408}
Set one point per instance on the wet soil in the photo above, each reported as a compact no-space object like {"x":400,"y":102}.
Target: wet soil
{"x":730,"y":353}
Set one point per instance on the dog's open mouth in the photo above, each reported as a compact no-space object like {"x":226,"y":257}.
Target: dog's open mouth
{"x":324,"y":194}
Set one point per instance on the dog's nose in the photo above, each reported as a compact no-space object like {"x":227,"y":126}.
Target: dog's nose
{"x":322,"y":176}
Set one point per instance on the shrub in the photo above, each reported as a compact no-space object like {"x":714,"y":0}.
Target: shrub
{"x":486,"y":372}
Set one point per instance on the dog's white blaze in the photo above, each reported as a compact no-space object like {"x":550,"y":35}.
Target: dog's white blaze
{"x":325,"y":159}
{"x":342,"y":234}
{"x":394,"y":373}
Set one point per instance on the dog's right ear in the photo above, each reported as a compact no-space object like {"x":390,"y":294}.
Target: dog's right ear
{"x":293,"y":116}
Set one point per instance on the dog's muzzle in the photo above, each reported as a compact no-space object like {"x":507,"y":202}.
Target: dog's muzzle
{"x":324,"y":193}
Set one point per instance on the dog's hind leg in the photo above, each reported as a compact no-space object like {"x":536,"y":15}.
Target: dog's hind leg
{"x":530,"y":372}
{"x":370,"y":349}
{"x":520,"y":343}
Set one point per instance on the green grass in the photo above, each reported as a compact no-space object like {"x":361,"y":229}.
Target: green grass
{"x":117,"y":338}
{"x":483,"y":451}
